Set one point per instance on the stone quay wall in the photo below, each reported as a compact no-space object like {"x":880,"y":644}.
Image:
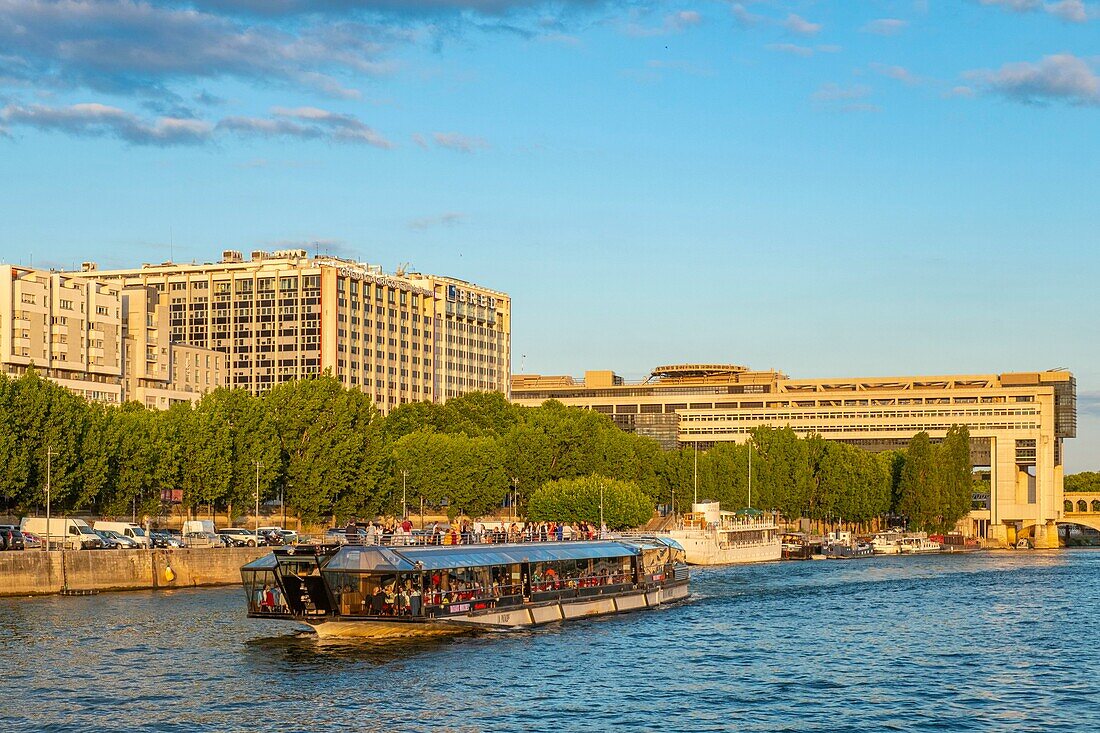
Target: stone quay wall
{"x":34,"y":572}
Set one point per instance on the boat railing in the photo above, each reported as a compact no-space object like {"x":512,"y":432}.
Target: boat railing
{"x":428,"y":538}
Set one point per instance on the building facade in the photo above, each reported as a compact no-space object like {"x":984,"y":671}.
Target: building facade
{"x":281,"y":316}
{"x":105,"y":342}
{"x":158,"y":373}
{"x":1017,"y":421}
{"x":69,"y":329}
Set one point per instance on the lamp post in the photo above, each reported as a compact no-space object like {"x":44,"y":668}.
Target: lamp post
{"x":49,"y":475}
{"x":601,"y":510}
{"x":750,"y":472}
{"x":696,"y":475}
{"x":256,"y":529}
{"x":404,"y":505}
{"x":515,"y":496}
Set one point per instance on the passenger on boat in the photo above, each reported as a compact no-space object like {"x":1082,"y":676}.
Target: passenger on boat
{"x":378,"y":602}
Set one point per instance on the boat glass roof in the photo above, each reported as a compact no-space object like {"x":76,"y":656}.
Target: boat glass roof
{"x":409,"y":559}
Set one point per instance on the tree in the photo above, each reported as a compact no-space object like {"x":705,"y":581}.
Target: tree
{"x":954,"y":476}
{"x":918,"y":488}
{"x":578,"y":500}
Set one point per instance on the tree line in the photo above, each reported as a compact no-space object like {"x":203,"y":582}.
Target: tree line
{"x":329,"y":453}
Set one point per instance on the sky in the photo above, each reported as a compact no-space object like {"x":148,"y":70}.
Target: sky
{"x":830,"y":188}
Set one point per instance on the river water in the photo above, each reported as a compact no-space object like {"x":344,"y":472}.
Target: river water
{"x":989,"y":642}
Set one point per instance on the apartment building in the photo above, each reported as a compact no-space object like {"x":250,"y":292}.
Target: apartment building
{"x":105,"y":342}
{"x":1017,"y":421}
{"x":280,"y":316}
{"x":68,"y":328}
{"x":157,"y":372}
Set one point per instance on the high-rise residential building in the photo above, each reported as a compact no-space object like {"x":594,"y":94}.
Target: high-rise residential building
{"x":279,"y":316}
{"x":158,"y":373}
{"x":1017,"y":421}
{"x":105,"y":342}
{"x":69,"y":329}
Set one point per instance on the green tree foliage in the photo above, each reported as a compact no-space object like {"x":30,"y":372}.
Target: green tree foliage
{"x":625,"y":504}
{"x":955,"y":476}
{"x":919,"y":487}
{"x":329,"y":453}
{"x":1085,"y":481}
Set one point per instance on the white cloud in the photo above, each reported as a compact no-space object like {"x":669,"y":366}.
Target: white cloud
{"x":791,"y":48}
{"x":1061,"y":77}
{"x":897,"y":73}
{"x":885,"y":26}
{"x":458,"y":141}
{"x":801,"y":26}
{"x":100,"y":120}
{"x":672,"y":23}
{"x":1071,"y":11}
{"x":832,"y":92}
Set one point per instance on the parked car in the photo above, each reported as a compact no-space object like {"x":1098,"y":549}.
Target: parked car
{"x":162,"y":540}
{"x":109,"y":542}
{"x":11,"y":538}
{"x":122,"y":541}
{"x":241,"y":537}
{"x":197,"y":540}
{"x":31,"y":541}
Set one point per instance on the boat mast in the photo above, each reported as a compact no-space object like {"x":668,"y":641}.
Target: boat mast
{"x":696,"y":472}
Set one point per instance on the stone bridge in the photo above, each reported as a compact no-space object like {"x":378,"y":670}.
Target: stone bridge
{"x":1082,"y":508}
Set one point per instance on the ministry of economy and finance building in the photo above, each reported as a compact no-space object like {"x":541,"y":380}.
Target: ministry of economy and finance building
{"x":169,"y":332}
{"x":1017,"y":421}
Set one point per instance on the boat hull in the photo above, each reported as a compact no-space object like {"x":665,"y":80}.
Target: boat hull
{"x":503,"y":619}
{"x":704,"y":550}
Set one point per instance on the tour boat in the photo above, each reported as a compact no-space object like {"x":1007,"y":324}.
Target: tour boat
{"x":916,"y":545}
{"x":711,"y":536}
{"x":382,"y":592}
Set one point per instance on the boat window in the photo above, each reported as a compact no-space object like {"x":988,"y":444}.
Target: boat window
{"x":569,"y":574}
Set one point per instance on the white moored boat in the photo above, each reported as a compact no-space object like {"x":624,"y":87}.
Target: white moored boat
{"x":711,"y":536}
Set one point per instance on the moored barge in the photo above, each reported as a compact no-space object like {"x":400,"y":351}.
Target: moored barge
{"x":384,"y":592}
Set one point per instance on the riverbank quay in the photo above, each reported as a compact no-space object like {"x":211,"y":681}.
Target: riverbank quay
{"x":46,"y":573}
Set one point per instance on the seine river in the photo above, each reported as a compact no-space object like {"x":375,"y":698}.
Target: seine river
{"x":990,"y":642}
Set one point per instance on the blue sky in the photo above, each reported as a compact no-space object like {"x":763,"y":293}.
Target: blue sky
{"x":827,"y":188}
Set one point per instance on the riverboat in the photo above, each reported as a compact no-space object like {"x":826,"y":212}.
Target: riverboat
{"x":919,"y":545}
{"x":384,"y":592}
{"x":843,"y":546}
{"x":887,"y":542}
{"x":799,"y":546}
{"x":711,"y":536}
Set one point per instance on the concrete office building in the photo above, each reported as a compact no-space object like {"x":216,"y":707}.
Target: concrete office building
{"x":1017,"y":421}
{"x":280,"y":316}
{"x":99,"y":340}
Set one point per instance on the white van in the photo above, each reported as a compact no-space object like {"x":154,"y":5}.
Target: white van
{"x":71,"y":534}
{"x":205,"y":526}
{"x":126,"y":529}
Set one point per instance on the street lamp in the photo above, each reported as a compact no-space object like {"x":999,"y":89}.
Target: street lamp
{"x":404,"y":505}
{"x":256,"y":530}
{"x":515,"y":496}
{"x":49,"y":466}
{"x":601,"y":510}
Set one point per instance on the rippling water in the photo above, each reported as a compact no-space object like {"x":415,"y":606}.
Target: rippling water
{"x":1001,"y":641}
